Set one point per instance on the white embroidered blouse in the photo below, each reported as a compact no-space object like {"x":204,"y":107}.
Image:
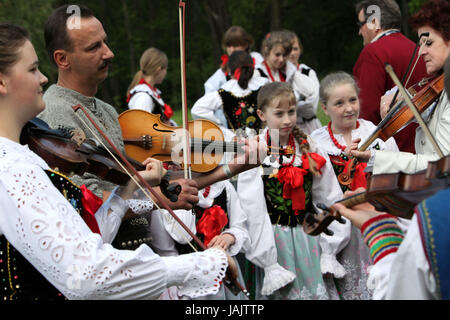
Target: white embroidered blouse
{"x":44,"y":227}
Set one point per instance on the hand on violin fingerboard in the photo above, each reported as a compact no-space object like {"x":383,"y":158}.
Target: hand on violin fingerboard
{"x":358,"y":214}
{"x":252,"y":155}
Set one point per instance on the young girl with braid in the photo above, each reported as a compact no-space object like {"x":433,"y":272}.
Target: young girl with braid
{"x":279,"y":193}
{"x":339,"y":100}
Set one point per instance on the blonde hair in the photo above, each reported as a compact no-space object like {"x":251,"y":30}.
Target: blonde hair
{"x":283,"y":91}
{"x":273,"y":39}
{"x":332,"y":80}
{"x":151,"y":61}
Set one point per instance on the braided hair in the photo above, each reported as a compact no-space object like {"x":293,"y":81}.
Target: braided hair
{"x":283,"y":91}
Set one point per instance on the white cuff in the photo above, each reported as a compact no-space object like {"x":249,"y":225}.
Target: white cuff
{"x":197,"y":274}
{"x":329,"y":264}
{"x":140,"y":206}
{"x":275,"y":277}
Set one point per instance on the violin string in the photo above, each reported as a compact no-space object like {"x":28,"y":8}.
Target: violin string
{"x":134,"y":180}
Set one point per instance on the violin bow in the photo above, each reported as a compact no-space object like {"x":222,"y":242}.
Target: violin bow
{"x":426,"y":35}
{"x":414,"y":110}
{"x":186,"y":135}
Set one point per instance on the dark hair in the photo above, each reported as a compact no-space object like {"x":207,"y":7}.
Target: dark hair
{"x":390,"y":14}
{"x":243,"y":60}
{"x":436,"y":14}
{"x":12,"y":37}
{"x":55,"y":30}
{"x":236,"y":36}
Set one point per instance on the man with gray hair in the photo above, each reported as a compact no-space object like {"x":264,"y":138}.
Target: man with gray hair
{"x":379,"y":24}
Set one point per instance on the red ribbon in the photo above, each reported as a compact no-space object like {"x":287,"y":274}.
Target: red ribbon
{"x":91,"y":203}
{"x":168,"y":112}
{"x":224,"y":59}
{"x":212,"y":222}
{"x":238,"y":71}
{"x":292,"y":179}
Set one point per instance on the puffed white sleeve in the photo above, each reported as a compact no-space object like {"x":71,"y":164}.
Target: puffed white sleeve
{"x":44,"y":227}
{"x":307,"y":95}
{"x":238,"y":221}
{"x":206,"y":106}
{"x":141,"y":101}
{"x":263,"y":251}
{"x":326,"y":190}
{"x":174,"y":229}
{"x":215,"y":81}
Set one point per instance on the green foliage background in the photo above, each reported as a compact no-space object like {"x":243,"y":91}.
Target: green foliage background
{"x":327,"y":29}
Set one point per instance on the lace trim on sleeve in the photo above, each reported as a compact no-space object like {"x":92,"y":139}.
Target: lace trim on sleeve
{"x":197,"y":274}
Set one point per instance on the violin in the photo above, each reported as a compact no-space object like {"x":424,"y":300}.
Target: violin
{"x":397,"y":194}
{"x":400,"y":115}
{"x":65,"y":150}
{"x":145,"y":135}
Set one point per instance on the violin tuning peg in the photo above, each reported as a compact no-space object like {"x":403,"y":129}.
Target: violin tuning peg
{"x":328,"y":232}
{"x":340,"y":220}
{"x":322,"y":206}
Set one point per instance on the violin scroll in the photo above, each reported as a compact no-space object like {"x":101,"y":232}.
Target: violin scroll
{"x":316,"y":223}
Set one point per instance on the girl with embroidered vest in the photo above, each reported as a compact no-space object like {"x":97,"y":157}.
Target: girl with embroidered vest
{"x":279,"y":193}
{"x":308,"y":123}
{"x":234,"y":39}
{"x":142,"y":92}
{"x":339,"y":100}
{"x":48,"y":251}
{"x":237,"y":97}
{"x":276,"y":48}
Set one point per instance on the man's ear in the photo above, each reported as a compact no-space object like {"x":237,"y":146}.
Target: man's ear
{"x":61,"y":59}
{"x":373,"y":23}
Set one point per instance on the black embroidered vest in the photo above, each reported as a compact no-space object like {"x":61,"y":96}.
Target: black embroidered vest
{"x":280,"y":209}
{"x":240,"y":111}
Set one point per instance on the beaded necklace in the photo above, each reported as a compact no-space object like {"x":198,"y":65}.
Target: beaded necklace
{"x":291,"y":143}
{"x":336,"y":143}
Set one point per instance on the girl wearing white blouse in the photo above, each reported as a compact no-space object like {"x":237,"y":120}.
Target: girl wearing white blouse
{"x":43,"y":233}
{"x":339,"y":100}
{"x":276,"y":49}
{"x":236,"y":98}
{"x":142,"y":93}
{"x":278,"y":194}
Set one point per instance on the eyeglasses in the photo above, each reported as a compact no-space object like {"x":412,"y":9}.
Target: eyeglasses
{"x":360,"y":24}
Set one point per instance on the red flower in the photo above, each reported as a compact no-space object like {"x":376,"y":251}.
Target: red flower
{"x":212,"y":222}
{"x":238,"y":111}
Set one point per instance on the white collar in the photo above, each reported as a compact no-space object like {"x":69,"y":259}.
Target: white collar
{"x":384,"y":33}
